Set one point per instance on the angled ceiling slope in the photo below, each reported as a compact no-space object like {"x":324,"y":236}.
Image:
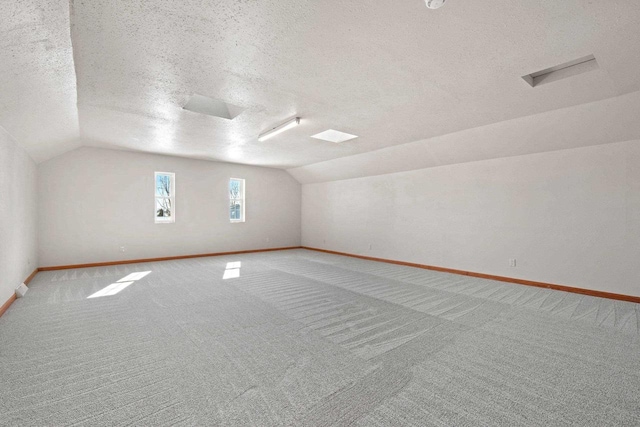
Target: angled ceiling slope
{"x":37,"y":77}
{"x":391,"y":73}
{"x":602,"y":122}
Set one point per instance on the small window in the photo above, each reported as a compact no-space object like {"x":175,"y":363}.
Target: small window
{"x":165,"y":196}
{"x":236,"y":200}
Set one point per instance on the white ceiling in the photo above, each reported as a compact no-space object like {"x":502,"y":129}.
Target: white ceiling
{"x":596,"y":123}
{"x":392,"y":72}
{"x":37,"y":78}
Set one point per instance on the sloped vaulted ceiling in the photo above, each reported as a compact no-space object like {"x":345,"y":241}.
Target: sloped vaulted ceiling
{"x":37,"y":79}
{"x":392,"y":72}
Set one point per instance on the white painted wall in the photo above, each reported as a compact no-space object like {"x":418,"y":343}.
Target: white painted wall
{"x":93,"y":201}
{"x":569,"y":217}
{"x":18,"y":210}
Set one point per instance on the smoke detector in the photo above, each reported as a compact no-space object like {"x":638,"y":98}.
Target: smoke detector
{"x":434,"y":4}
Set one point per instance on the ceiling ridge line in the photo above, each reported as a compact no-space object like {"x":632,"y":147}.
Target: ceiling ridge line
{"x":75,"y":66}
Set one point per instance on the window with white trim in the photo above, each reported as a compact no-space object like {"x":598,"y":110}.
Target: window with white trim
{"x":236,"y":200}
{"x":165,"y":196}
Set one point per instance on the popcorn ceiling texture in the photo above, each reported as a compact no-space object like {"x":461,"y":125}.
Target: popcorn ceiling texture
{"x":116,"y":74}
{"x":37,"y":77}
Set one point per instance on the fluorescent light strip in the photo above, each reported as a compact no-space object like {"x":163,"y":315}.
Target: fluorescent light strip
{"x":279,"y":129}
{"x":562,"y":71}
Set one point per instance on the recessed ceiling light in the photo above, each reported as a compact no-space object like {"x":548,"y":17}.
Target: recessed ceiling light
{"x":280,"y":128}
{"x":334,"y":136}
{"x":212,"y":107}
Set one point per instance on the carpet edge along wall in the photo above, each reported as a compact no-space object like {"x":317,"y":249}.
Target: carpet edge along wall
{"x":168,"y":258}
{"x":13,"y":297}
{"x":571,"y":289}
{"x":582,"y":291}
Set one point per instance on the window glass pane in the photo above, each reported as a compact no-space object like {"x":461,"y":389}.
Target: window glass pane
{"x":235,"y":189}
{"x":163,"y":185}
{"x":236,"y":200}
{"x":163,"y":207}
{"x":236,"y":210}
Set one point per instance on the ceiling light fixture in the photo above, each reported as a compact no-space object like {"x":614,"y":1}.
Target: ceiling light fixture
{"x":279,"y":129}
{"x":434,"y":4}
{"x":562,"y":71}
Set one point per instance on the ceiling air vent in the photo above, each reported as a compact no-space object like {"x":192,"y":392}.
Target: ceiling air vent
{"x":212,"y":107}
{"x":562,"y":71}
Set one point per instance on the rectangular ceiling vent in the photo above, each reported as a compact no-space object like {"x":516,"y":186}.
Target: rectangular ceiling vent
{"x":562,"y":71}
{"x":212,"y":107}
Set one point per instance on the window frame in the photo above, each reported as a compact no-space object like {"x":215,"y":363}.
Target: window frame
{"x":172,"y":198}
{"x":242,"y":199}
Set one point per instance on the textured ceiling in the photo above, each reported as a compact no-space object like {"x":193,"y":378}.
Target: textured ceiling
{"x":37,"y":78}
{"x":391,"y":72}
{"x":607,"y":121}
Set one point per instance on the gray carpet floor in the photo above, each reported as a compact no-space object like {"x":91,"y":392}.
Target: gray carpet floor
{"x":305,"y":338}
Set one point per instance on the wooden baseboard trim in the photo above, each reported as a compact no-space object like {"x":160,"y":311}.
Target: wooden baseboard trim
{"x":31,"y":276}
{"x":593,"y":293}
{"x":6,"y":305}
{"x":12,"y":298}
{"x":169,"y":258}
